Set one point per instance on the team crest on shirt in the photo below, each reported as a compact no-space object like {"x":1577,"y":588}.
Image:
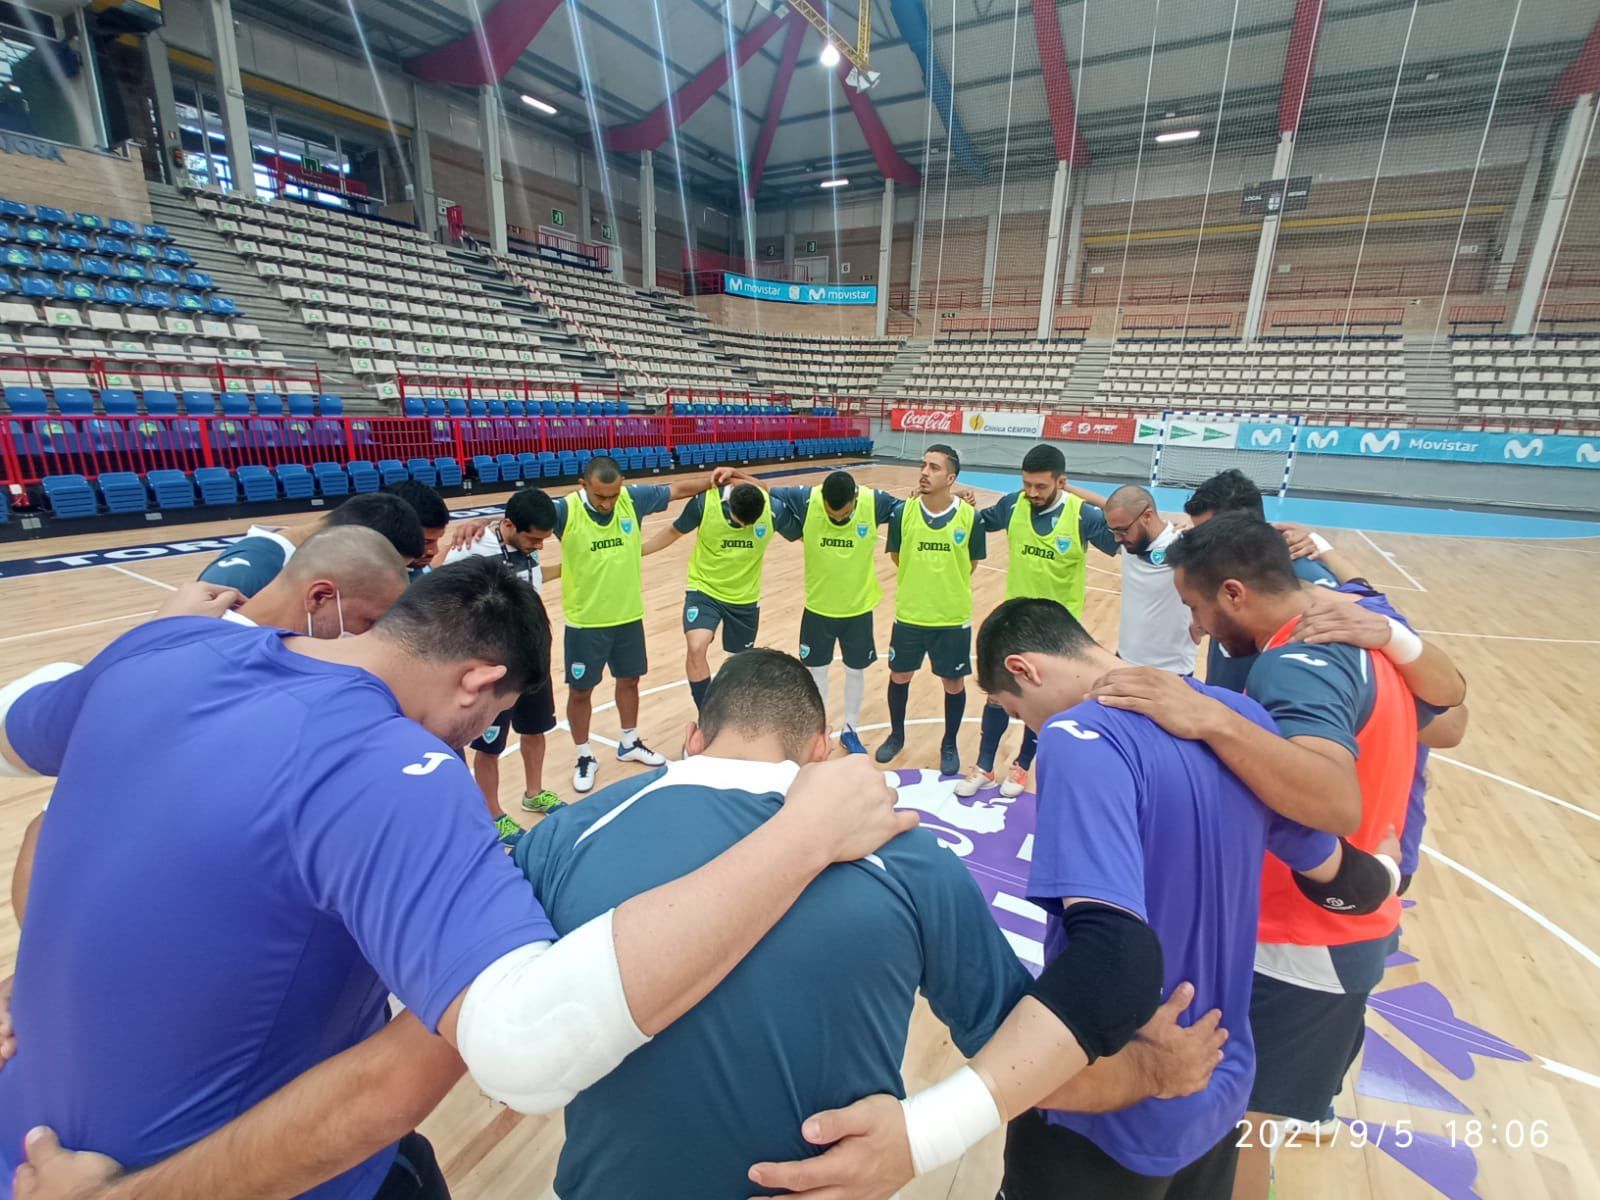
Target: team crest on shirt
{"x":961,"y":536}
{"x":577,"y":670}
{"x":491,"y":733}
{"x":1157,"y":557}
{"x":861,"y":531}
{"x":761,"y":531}
{"x":692,"y":612}
{"x":1063,"y":544}
{"x":627,"y":524}
{"x":805,"y":650}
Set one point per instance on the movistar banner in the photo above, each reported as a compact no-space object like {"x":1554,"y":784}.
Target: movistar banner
{"x":1446,"y":445}
{"x":799,"y":293}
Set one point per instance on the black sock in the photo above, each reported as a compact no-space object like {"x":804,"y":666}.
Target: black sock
{"x":994,"y":728}
{"x":955,"y":707}
{"x":697,"y":689}
{"x":899,"y":693}
{"x":1030,"y":746}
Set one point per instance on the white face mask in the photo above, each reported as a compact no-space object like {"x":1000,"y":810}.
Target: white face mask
{"x":338,"y":604}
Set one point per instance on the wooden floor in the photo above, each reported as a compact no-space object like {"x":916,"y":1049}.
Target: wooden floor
{"x":1506,"y":924}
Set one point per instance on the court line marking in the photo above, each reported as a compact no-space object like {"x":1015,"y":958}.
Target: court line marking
{"x":1089,"y":586}
{"x":1390,"y":559}
{"x":135,"y":575}
{"x":1521,"y":787}
{"x":1533,"y":914}
{"x":17,"y":637}
{"x":1511,"y":637}
{"x":1575,"y":1073}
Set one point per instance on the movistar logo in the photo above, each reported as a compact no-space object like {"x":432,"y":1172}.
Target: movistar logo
{"x":1266,"y":437}
{"x":1371,"y":443}
{"x":1325,"y":440}
{"x":1589,"y":452}
{"x":1532,"y":448}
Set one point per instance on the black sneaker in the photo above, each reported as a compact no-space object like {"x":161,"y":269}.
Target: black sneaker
{"x":895,"y":743}
{"x":949,"y":760}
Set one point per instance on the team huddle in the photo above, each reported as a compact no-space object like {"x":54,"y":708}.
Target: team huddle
{"x":711,"y":966}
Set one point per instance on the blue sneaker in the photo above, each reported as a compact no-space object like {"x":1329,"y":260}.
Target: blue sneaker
{"x":851,"y":741}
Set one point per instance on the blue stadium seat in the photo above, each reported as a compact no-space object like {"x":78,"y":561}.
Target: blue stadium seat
{"x":497,"y":408}
{"x":5,"y":508}
{"x":165,"y":276}
{"x":119,"y":402}
{"x":423,"y":471}
{"x":413,"y":407}
{"x":456,"y":407}
{"x":35,"y":234}
{"x":94,"y":268}
{"x":111,"y":247}
{"x":364,"y":477}
{"x":40,"y":287}
{"x":258,"y":483}
{"x":189,"y":302}
{"x":449,"y":471}
{"x":122,"y":227}
{"x":566,"y":464}
{"x":435,"y":407}
{"x":297,"y":482}
{"x":26,"y":401}
{"x":510,"y":468}
{"x":198,"y":404}
{"x":74,"y":402}
{"x":392,"y":471}
{"x":46,"y":215}
{"x":80,"y":291}
{"x":221,"y":306}
{"x":88,"y":221}
{"x":234,"y":404}
{"x":131,"y":272}
{"x":124,"y":492}
{"x":199,"y":281}
{"x":172,"y":489}
{"x":548,"y":464}
{"x":70,"y":496}
{"x":528,"y":465}
{"x":301,"y":404}
{"x":56,"y":263}
{"x":154,"y":297}
{"x":330,"y":405}
{"x":157,"y":233}
{"x":144,"y":251}
{"x":8,"y":284}
{"x":14,"y":210}
{"x":177,"y":256}
{"x":477,"y":408}
{"x":331,"y":479}
{"x":217,"y":485}
{"x":485,"y":468}
{"x":118,"y":295}
{"x":515,"y":408}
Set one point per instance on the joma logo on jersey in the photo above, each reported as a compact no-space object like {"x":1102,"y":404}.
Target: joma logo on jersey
{"x":941,"y":547}
{"x":838,"y":543}
{"x":738,"y":543}
{"x":1040,"y":552}
{"x":611,"y":543}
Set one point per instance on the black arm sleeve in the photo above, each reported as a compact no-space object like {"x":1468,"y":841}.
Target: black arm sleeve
{"x":1360,"y":887}
{"x":1107,"y":982}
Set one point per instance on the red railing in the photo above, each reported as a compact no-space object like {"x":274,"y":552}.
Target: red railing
{"x":34,"y":446}
{"x":159,"y":372}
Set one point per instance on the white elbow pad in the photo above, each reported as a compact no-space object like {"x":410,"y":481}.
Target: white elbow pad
{"x":545,"y":1021}
{"x":14,"y":691}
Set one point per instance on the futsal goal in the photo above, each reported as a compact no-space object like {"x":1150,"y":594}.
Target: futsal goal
{"x":1192,"y":445}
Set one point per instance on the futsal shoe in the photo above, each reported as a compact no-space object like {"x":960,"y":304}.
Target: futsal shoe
{"x":545,"y":802}
{"x":637,"y":751}
{"x":507,"y":830}
{"x":1016,"y":781}
{"x":949,"y":760}
{"x":851,"y":741}
{"x":975,"y":782}
{"x":583,"y":778}
{"x":891,"y":748}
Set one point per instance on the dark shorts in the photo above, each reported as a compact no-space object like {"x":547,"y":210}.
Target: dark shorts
{"x":739,"y":621}
{"x":818,"y":634}
{"x":591,"y":651}
{"x":533,"y":713}
{"x":415,"y":1174}
{"x":1048,"y":1162}
{"x":1305,"y":1043}
{"x":948,"y":648}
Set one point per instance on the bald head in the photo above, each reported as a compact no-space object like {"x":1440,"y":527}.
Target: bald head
{"x":1133,"y":519}
{"x":340,"y":580}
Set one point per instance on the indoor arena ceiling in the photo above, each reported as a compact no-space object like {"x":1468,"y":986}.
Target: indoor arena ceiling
{"x":626,"y":55}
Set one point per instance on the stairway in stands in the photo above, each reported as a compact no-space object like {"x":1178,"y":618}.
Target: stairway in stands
{"x":1430,"y":382}
{"x":552,"y":333}
{"x":1088,"y":369}
{"x":281,"y":329}
{"x":893,"y":381}
{"x":698,"y":328}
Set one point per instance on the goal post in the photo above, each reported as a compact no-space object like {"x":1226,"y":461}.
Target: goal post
{"x":1192,"y":445}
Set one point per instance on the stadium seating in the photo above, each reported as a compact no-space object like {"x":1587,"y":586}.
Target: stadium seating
{"x":1272,"y":374}
{"x":1029,"y":372}
{"x":171,"y":489}
{"x":69,"y":496}
{"x":807,"y":365}
{"x":1534,"y":377}
{"x":217,"y":486}
{"x":364,"y":477}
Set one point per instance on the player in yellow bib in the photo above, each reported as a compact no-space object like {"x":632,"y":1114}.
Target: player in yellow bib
{"x":1048,"y":533}
{"x":602,"y":597}
{"x":837,"y":524}
{"x":934,"y":538}
{"x":732,"y":524}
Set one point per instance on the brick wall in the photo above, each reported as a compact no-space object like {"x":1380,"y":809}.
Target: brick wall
{"x":79,"y":181}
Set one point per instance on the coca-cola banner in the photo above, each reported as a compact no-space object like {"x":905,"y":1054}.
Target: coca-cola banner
{"x":1059,"y":428}
{"x":926,"y":420}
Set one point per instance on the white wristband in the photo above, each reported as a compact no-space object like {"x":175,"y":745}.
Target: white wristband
{"x":1322,"y":544}
{"x":1403,"y":645}
{"x":1393,"y":868}
{"x":945,"y":1121}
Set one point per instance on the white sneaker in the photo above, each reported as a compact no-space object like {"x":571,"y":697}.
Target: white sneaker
{"x":975,"y":782}
{"x":583,"y":778}
{"x":1016,"y":782}
{"x":637,"y":751}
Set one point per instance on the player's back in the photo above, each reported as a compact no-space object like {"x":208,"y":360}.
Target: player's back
{"x":814,"y":1018}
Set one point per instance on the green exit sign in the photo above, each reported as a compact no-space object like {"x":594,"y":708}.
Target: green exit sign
{"x":811,"y":247}
{"x":314,"y":165}
{"x":557,"y":217}
{"x":605,"y":232}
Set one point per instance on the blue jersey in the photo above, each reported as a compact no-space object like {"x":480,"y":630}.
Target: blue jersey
{"x":1134,"y":817}
{"x":1225,"y":671}
{"x":252,"y":562}
{"x":246,"y":850}
{"x":816,"y":1015}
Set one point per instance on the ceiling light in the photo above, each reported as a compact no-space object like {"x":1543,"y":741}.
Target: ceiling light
{"x":548,"y":110}
{"x":830,"y":55}
{"x":832,"y":183}
{"x":1181,"y":135}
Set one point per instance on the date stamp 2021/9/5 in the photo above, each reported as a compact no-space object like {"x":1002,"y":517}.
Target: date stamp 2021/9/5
{"x":1472,"y":1134}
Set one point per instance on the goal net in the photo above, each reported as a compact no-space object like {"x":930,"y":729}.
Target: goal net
{"x":1192,"y":446}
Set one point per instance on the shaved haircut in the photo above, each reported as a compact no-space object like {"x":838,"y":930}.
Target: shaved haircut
{"x":1130,"y":496}
{"x":354,"y":557}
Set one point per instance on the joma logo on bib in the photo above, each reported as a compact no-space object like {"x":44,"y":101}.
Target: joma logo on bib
{"x":611,"y":543}
{"x":1040,"y":552}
